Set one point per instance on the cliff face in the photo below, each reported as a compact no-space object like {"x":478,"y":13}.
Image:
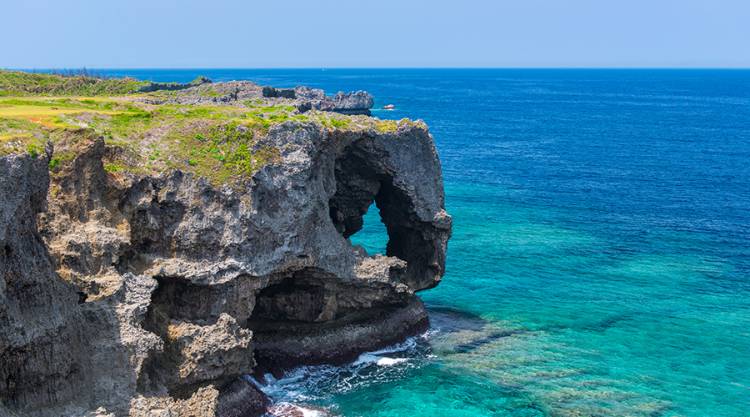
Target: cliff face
{"x":137,"y":293}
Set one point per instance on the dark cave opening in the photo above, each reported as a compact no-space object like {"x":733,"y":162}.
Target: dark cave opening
{"x":311,"y":297}
{"x":293,"y":299}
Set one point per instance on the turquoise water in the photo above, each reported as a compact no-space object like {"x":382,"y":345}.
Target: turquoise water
{"x":600,"y":263}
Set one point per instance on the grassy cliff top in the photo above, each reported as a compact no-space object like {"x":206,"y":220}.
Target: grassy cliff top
{"x":18,"y":83}
{"x":218,"y":141}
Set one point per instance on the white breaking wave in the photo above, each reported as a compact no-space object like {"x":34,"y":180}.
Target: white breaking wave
{"x":367,"y":358}
{"x":376,"y":358}
{"x":314,"y":384}
{"x":283,"y":409}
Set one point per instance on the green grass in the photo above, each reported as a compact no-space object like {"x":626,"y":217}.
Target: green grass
{"x":219,"y":143}
{"x":23,"y":83}
{"x":386,"y":126}
{"x":222,"y":143}
{"x":112,"y":167}
{"x":21,"y":136}
{"x":221,"y":151}
{"x":34,"y":148}
{"x":332,"y":121}
{"x":392,"y":126}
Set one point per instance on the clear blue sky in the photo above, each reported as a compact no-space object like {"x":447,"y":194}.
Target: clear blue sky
{"x":374,"y":33}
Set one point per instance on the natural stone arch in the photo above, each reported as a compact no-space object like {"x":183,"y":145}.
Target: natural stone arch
{"x":362,"y":179}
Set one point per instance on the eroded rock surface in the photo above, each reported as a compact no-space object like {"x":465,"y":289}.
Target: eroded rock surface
{"x":127,"y":294}
{"x":237,"y":92}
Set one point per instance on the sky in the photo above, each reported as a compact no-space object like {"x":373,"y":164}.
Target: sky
{"x":37,"y":34}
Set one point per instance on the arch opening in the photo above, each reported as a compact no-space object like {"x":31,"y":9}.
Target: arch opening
{"x":362,"y":181}
{"x":373,"y":236}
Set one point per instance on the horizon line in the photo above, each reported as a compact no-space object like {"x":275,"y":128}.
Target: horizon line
{"x":382,"y":68}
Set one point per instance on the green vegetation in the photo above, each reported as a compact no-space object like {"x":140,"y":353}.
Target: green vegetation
{"x":201,"y":79}
{"x":386,"y":126}
{"x":392,"y":126}
{"x":54,"y":163}
{"x":221,"y":151}
{"x":23,"y":83}
{"x":112,"y":167}
{"x":334,"y":121}
{"x":21,"y":136}
{"x":220,"y":142}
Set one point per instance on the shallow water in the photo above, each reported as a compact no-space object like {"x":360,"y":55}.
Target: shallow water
{"x":600,"y":263}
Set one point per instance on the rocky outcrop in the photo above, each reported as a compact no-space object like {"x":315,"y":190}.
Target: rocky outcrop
{"x":38,"y":311}
{"x":136,"y":295}
{"x":272,"y":92}
{"x":237,"y":92}
{"x":155,"y":86}
{"x":358,"y":102}
{"x":306,"y":98}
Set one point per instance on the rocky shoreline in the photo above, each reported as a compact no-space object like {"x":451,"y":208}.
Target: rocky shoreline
{"x":133,"y":292}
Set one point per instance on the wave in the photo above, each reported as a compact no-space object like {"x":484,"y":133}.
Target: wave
{"x":304,"y":388}
{"x":293,"y":410}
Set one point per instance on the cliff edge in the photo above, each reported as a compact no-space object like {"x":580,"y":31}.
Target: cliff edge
{"x":157,"y":244}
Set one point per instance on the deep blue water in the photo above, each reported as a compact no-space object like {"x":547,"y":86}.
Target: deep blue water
{"x":600,"y":264}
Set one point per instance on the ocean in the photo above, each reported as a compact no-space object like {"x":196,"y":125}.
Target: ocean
{"x":600,"y":261}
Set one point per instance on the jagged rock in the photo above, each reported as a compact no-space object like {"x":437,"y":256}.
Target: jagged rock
{"x":154,"y":86}
{"x":133,"y":294}
{"x":237,"y":92}
{"x":230,"y":92}
{"x":202,"y":402}
{"x":39,"y":335}
{"x":278,"y":92}
{"x":241,"y":398}
{"x":209,"y":352}
{"x":358,"y":102}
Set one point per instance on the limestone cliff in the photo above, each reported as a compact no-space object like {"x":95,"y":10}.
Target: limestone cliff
{"x":134,"y":287}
